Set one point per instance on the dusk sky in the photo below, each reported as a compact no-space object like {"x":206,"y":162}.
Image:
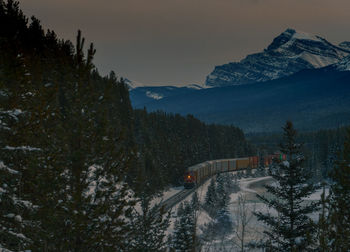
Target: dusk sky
{"x":180,"y":41}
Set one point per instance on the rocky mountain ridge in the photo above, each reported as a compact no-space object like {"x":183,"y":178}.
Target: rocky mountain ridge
{"x":290,"y":52}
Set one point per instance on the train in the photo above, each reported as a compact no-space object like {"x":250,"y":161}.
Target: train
{"x":197,"y":174}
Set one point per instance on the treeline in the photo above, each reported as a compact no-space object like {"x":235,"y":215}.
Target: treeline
{"x":291,"y":224}
{"x":168,"y":144}
{"x":293,"y":221}
{"x":74,"y":154}
{"x":320,"y":148}
{"x":66,"y":144}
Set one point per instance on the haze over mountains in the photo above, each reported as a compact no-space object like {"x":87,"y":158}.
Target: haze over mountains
{"x":299,"y":76}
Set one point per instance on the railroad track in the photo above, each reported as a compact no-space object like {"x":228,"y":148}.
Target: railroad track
{"x":173,"y":200}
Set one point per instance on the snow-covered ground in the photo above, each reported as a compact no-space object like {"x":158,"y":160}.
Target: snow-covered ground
{"x":249,"y":187}
{"x":166,"y":195}
{"x":203,"y":216}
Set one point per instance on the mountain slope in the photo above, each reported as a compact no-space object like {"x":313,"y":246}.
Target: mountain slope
{"x":146,"y":94}
{"x":289,"y":53}
{"x":316,"y":98}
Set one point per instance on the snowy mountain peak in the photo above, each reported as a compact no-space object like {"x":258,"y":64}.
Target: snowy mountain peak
{"x":289,"y":37}
{"x":288,"y":53}
{"x":132,"y":84}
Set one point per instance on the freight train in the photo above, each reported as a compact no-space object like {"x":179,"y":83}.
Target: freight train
{"x":197,"y":174}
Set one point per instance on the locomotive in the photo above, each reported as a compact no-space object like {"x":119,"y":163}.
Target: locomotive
{"x":197,"y":174}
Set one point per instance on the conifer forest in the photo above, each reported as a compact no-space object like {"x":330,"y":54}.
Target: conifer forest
{"x":82,"y":168}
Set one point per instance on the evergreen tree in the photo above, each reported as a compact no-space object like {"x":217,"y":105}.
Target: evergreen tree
{"x":339,"y":200}
{"x":222,"y":195}
{"x":195,"y":208}
{"x":184,"y":236}
{"x":248,"y":172}
{"x":291,"y":228}
{"x":13,"y":235}
{"x":148,"y":227}
{"x":211,"y":196}
{"x":195,"y":201}
{"x":15,"y":149}
{"x":323,"y":224}
{"x":261,"y":168}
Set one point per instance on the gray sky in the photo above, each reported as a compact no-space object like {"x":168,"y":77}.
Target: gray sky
{"x":180,"y":41}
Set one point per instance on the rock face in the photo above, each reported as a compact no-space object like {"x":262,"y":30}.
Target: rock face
{"x":289,"y":53}
{"x":343,"y":65}
{"x":345,"y":45}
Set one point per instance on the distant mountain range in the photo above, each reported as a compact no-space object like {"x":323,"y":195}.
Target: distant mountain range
{"x":300,"y":77}
{"x":288,"y":53}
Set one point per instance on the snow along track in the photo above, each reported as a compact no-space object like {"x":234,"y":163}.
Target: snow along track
{"x":173,"y":200}
{"x":180,"y":196}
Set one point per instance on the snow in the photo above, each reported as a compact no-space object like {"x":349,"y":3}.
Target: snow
{"x":10,"y":215}
{"x":13,"y":113}
{"x":4,"y":249}
{"x":165,"y":195}
{"x":245,"y":187}
{"x":18,"y":218}
{"x":249,"y":187}
{"x":19,"y":235}
{"x":317,"y":61}
{"x":317,"y":195}
{"x":49,"y":84}
{"x":285,"y":163}
{"x":304,"y":36}
{"x":197,"y":87}
{"x":133,"y":84}
{"x":344,"y":64}
{"x":4,"y":167}
{"x":154,"y":95}
{"x":23,"y":148}
{"x":202,"y":216}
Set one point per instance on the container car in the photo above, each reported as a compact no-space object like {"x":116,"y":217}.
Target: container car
{"x":198,"y":173}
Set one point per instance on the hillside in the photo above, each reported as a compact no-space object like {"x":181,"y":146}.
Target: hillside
{"x":313,"y":99}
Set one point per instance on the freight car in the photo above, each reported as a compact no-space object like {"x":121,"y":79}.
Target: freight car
{"x":197,"y":174}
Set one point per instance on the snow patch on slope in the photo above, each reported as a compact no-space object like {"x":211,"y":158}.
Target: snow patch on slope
{"x":290,"y":52}
{"x":317,"y":61}
{"x":343,"y":65}
{"x":154,"y":95}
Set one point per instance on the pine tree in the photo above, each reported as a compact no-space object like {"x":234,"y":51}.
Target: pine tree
{"x":71,"y":121}
{"x":15,"y":149}
{"x":291,"y":228}
{"x":183,"y":238}
{"x":323,"y":223}
{"x":339,"y":200}
{"x":148,"y":227}
{"x":261,"y":168}
{"x":195,"y":201}
{"x":248,"y":172}
{"x":211,"y":196}
{"x":12,"y":226}
{"x":222,"y":196}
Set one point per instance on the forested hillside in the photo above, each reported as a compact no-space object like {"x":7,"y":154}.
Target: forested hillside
{"x":168,"y":144}
{"x":74,"y":152}
{"x":321,"y":148}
